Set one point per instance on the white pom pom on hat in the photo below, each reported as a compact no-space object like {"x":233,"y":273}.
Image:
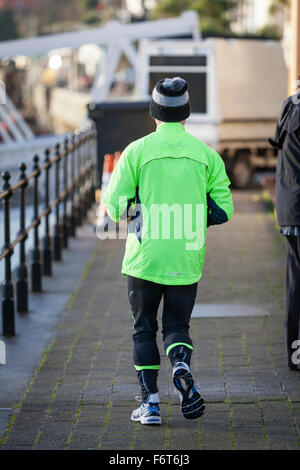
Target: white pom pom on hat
{"x":174,"y":84}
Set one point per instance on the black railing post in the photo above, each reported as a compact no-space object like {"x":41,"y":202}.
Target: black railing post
{"x":90,"y":187}
{"x":47,"y":268}
{"x":72,"y":168}
{"x":93,"y":169}
{"x":84,"y":164}
{"x":36,"y":271}
{"x":65,"y":200}
{"x":96,"y":174}
{"x":8,"y":309}
{"x":78,"y":172}
{"x":57,"y":237}
{"x":22,"y":271}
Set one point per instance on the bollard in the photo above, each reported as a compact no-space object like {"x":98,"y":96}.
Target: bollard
{"x":8,"y":309}
{"x":108,"y":168}
{"x":57,"y":237}
{"x":46,"y":251}
{"x":36,"y":268}
{"x":22,"y":271}
{"x":117,"y":156}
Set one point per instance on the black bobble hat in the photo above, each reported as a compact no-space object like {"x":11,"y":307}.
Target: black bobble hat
{"x":170,"y":100}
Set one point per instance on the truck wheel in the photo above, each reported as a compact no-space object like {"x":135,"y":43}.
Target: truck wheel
{"x":241,"y":170}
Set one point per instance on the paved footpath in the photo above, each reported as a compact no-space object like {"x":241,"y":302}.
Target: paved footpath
{"x":82,"y":393}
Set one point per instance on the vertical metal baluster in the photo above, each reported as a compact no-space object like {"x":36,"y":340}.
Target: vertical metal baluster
{"x":95,"y":161}
{"x":96,"y":177}
{"x":94,"y":168}
{"x":90,"y":188}
{"x":91,"y":185}
{"x":65,"y":201}
{"x":79,"y":210}
{"x":86,"y":175}
{"x":8,"y":309}
{"x":57,"y":238}
{"x":85,"y":178}
{"x":47,"y":268}
{"x":22,"y":271}
{"x":36,"y":268}
{"x":72,"y":217}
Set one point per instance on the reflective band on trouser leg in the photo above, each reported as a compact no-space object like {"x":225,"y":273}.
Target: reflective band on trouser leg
{"x":147,"y":367}
{"x":174,"y":345}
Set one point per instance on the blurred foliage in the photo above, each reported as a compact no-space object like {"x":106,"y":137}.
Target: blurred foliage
{"x":89,"y":4}
{"x":56,"y":15}
{"x":270,"y":32}
{"x":91,"y":18}
{"x":8,"y":26}
{"x":214,"y":15}
{"x":96,"y":11}
{"x":278,"y":9}
{"x":279,"y":6}
{"x":49,"y":16}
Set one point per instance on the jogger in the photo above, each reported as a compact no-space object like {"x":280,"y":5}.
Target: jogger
{"x":176,"y":187}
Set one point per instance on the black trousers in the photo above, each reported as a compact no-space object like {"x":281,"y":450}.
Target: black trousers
{"x":178,"y":302}
{"x":292,"y":296}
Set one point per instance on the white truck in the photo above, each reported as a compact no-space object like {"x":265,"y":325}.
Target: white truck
{"x":236,"y":86}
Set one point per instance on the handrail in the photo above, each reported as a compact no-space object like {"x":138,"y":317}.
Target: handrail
{"x":75,"y":185}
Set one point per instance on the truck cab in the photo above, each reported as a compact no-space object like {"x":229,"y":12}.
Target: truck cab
{"x":193,"y":61}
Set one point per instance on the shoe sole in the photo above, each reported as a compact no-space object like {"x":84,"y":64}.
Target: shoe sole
{"x":154,"y":420}
{"x":192,"y":407}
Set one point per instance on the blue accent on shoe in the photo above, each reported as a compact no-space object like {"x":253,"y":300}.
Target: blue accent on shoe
{"x":147,"y":413}
{"x":154,"y":409}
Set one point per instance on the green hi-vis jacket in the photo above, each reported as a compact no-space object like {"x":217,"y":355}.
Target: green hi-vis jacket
{"x":180,"y":187}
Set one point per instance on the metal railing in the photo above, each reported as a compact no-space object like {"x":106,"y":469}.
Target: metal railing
{"x":74,"y":176}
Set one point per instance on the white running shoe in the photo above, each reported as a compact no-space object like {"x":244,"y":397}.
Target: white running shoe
{"x":147,"y":413}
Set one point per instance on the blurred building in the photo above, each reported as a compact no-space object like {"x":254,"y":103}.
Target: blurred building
{"x":18,"y":5}
{"x":252,"y":16}
{"x":255,"y":17}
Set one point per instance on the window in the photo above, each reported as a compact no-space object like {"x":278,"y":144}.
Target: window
{"x":192,"y":68}
{"x":194,"y":60}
